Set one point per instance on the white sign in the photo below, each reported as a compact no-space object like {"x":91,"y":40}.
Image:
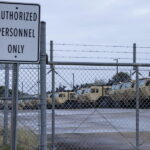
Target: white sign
{"x":19,"y":32}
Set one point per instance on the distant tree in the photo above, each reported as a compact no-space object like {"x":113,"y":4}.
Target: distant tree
{"x":120,"y":77}
{"x":2,"y":92}
{"x":60,"y":88}
{"x":76,"y":87}
{"x":100,"y":82}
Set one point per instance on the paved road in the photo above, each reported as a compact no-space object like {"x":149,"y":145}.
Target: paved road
{"x":101,"y":129}
{"x":92,"y":129}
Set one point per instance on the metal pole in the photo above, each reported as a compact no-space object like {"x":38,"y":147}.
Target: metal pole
{"x":134,"y":55}
{"x":137,"y":96}
{"x":43,"y":141}
{"x":73,"y":80}
{"x":53,"y":93}
{"x":131,"y":74}
{"x":64,"y":63}
{"x":5,"y":137}
{"x":137,"y":108}
{"x":22,"y":89}
{"x":117,"y":65}
{"x":38,"y":81}
{"x":14,"y":108}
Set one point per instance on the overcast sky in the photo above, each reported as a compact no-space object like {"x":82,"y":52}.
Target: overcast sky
{"x":114,"y":22}
{"x":96,"y":21}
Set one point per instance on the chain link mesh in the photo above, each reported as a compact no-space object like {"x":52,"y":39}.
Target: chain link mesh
{"x":96,"y":108}
{"x":2,"y":83}
{"x":29,"y":107}
{"x":28,"y":123}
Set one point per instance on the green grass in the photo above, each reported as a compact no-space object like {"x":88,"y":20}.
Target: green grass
{"x":3,"y":147}
{"x":26,"y":140}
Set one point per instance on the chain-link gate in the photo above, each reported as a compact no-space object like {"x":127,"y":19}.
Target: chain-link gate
{"x":97,"y":109}
{"x":90,"y":106}
{"x":98,"y":106}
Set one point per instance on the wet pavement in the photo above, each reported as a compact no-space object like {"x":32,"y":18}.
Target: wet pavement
{"x":91,"y":129}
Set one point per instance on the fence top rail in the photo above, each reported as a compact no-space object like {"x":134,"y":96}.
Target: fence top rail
{"x":98,"y":64}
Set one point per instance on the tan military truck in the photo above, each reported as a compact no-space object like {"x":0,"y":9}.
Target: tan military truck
{"x":93,"y":95}
{"x":63,"y":99}
{"x":124,"y":94}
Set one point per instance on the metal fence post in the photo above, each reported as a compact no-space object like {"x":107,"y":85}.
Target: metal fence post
{"x":137,"y":108}
{"x":137,"y":97}
{"x":53,"y":92}
{"x":5,"y":137}
{"x":134,"y":52}
{"x":14,"y":107}
{"x":43,"y":140}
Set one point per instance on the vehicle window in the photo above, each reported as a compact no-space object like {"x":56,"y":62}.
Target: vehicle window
{"x":72,"y":95}
{"x":96,"y":90}
{"x":61,"y":95}
{"x":56,"y":95}
{"x":123,"y":86}
{"x":133,"y":84}
{"x":113,"y":87}
{"x":106,"y":90}
{"x":129,"y":85}
{"x":79,"y":91}
{"x":86,"y":90}
{"x":118,"y":86}
{"x":148,"y":83}
{"x":142,"y":82}
{"x":92,"y":90}
{"x":126,"y":85}
{"x":82,"y":91}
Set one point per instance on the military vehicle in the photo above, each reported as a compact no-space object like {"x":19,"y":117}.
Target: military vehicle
{"x":124,"y":94}
{"x":65,"y":99}
{"x":94,"y":96}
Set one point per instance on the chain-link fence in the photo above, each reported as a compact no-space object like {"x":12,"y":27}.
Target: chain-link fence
{"x":90,"y":105}
{"x":97,"y":109}
{"x":99,"y":106}
{"x":28,"y":121}
{"x":29,"y":107}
